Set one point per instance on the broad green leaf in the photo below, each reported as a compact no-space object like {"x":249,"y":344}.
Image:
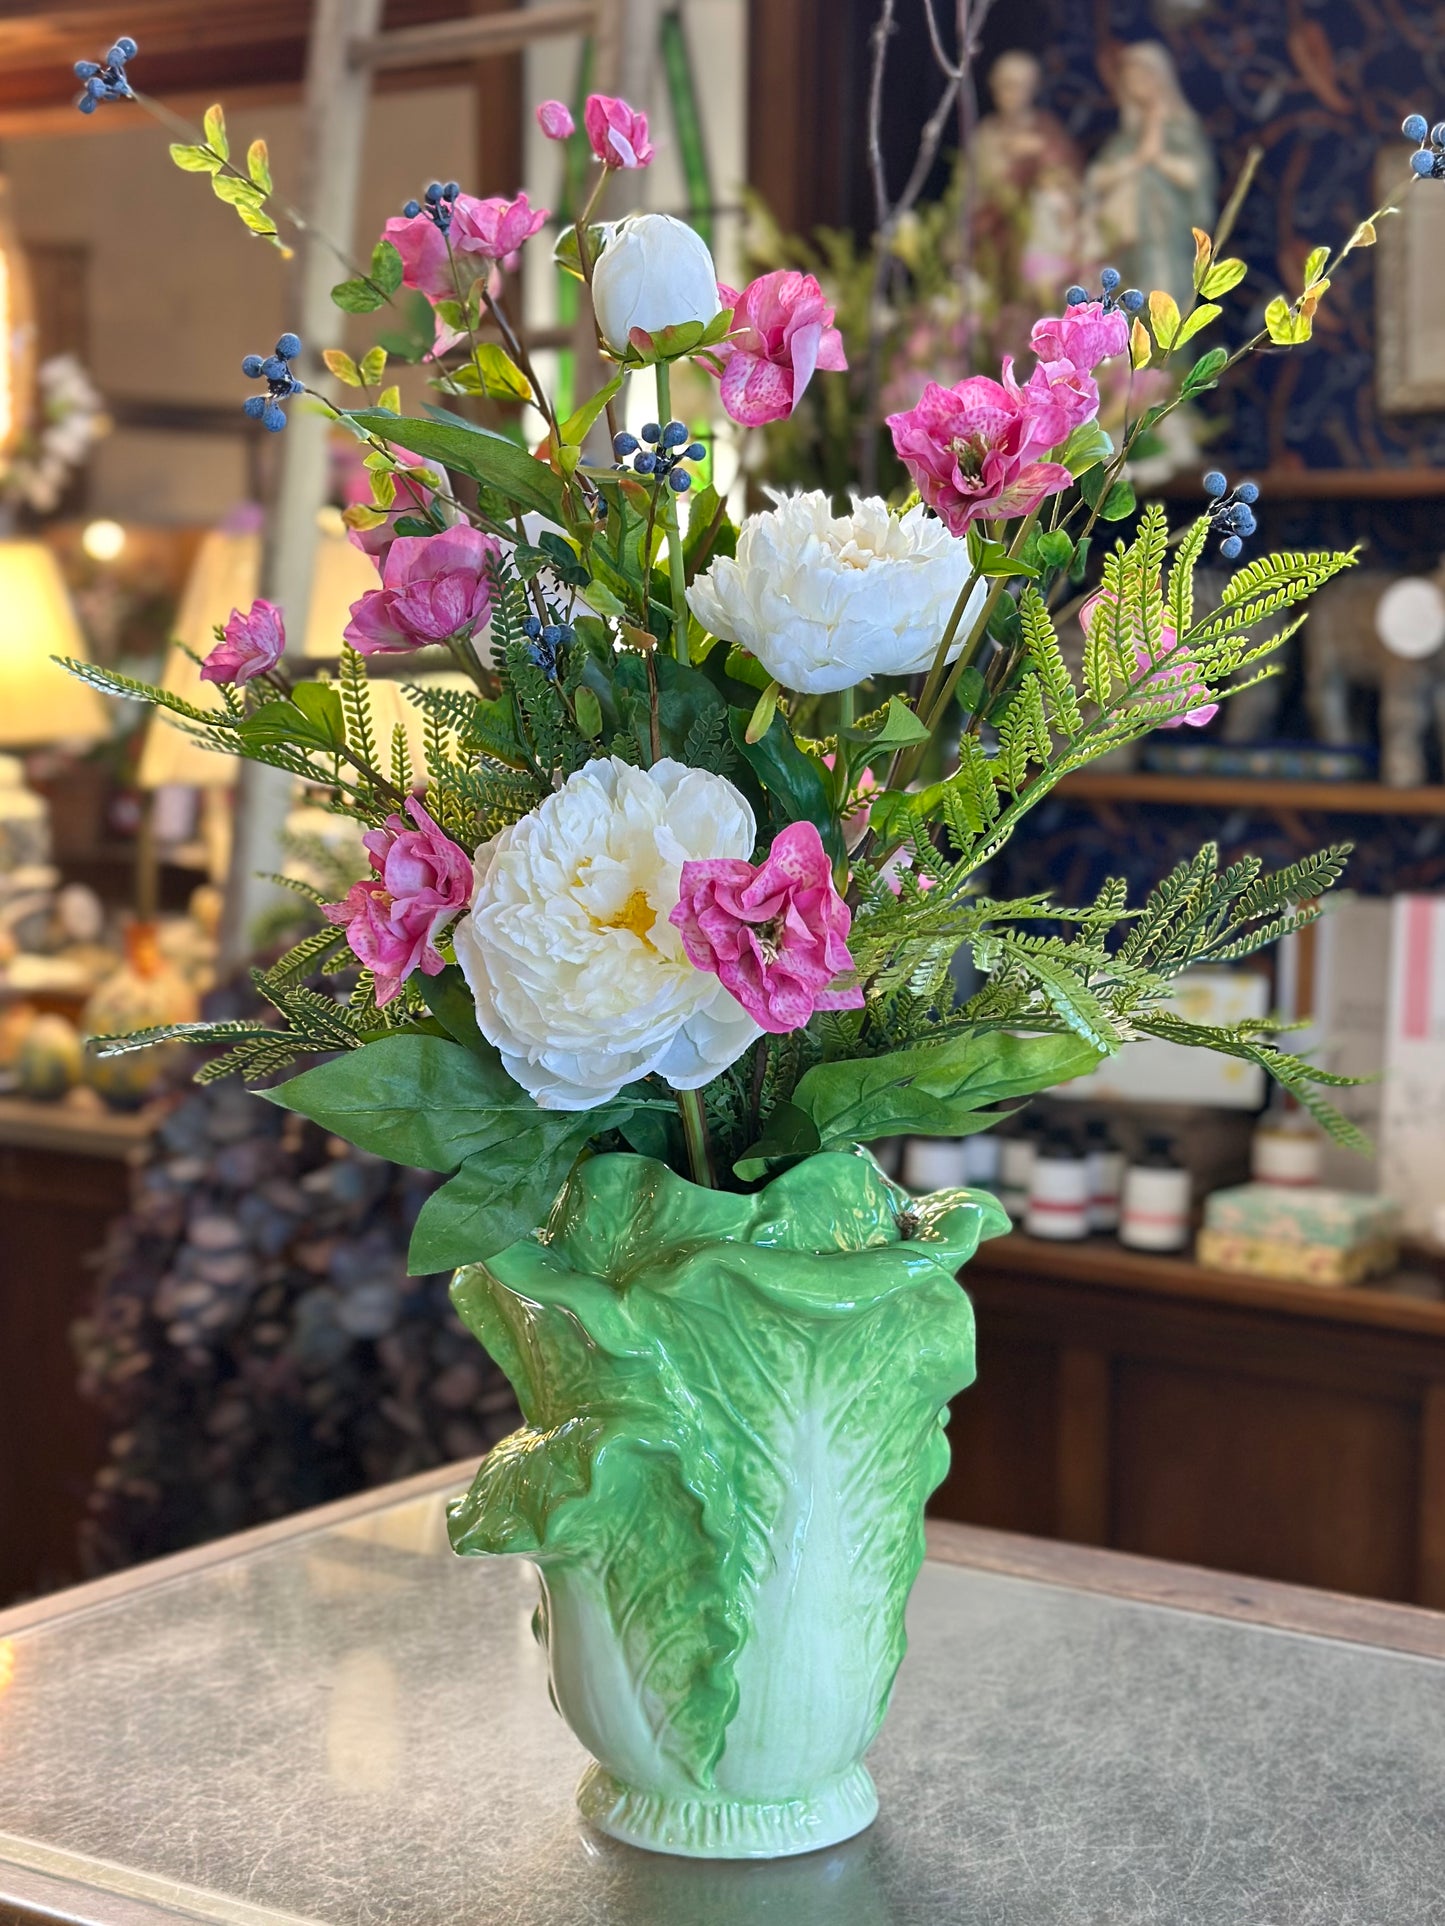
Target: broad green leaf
{"x":788,"y":1133}
{"x":194,"y":160}
{"x":419,"y":1100}
{"x":215,"y":129}
{"x":342,"y":366}
{"x":940,"y":1089}
{"x":258,"y":165}
{"x":795,"y":787}
{"x":589,"y":713}
{"x":500,"y":1193}
{"x":1113,"y":501}
{"x":1056,"y":548}
{"x":356,"y":297}
{"x":493,"y":459}
{"x":745,"y":667}
{"x":1164,"y":317}
{"x":1199,"y":318}
{"x":312,"y":717}
{"x":1223,"y":276}
{"x":899,"y":727}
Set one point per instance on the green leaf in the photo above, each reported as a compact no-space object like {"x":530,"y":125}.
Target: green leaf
{"x":1205,"y":372}
{"x":1279,"y":319}
{"x":764,"y":710}
{"x":899,"y":727}
{"x":746,"y":668}
{"x":566,"y":255}
{"x":795,"y":786}
{"x":1199,"y":318}
{"x":235,"y":193}
{"x":1056,"y":548}
{"x":992,"y":558}
{"x":386,"y":266}
{"x":492,"y":372}
{"x":312,"y":718}
{"x":936,"y":1089}
{"x":356,"y":297}
{"x":789,"y":1133}
{"x":589,"y":713}
{"x":1086,"y":447}
{"x":492,"y":459}
{"x":500,"y":1194}
{"x":1113,"y":506}
{"x":342,"y":366}
{"x":258,"y":165}
{"x":194,"y":160}
{"x":1314,"y":266}
{"x":1223,"y":276}
{"x":215,"y":128}
{"x":373,"y":366}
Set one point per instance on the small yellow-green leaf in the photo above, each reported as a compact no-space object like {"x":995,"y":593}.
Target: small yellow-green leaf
{"x":194,"y":160}
{"x":373,"y":366}
{"x":761,"y":719}
{"x":358,"y":515}
{"x":1314,"y":266}
{"x":390,"y":400}
{"x":233,"y":192}
{"x":1279,"y":319}
{"x":1164,"y":314}
{"x":1199,"y":318}
{"x":257,"y":219}
{"x":589,"y":713}
{"x":500,"y":377}
{"x":383,"y":488}
{"x":577,"y":424}
{"x":1223,"y":276}
{"x":1364,"y":235}
{"x":1140,"y":346}
{"x":342,"y":366}
{"x":258,"y":165}
{"x":215,"y":126}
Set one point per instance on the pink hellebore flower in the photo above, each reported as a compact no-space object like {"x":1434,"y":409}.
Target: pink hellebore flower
{"x":554,"y":118}
{"x":432,"y":588}
{"x":425,"y":264}
{"x":618,"y":133}
{"x":775,"y":936}
{"x":1173,"y":675}
{"x":254,"y":642}
{"x":975,"y":450}
{"x":782,"y":330}
{"x":394,"y":917}
{"x":493,"y":229}
{"x":1084,"y":335}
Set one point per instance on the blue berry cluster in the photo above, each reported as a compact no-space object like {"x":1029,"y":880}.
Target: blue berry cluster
{"x":1428,"y":162}
{"x":437,"y":204}
{"x":666,"y":447}
{"x":1131,"y":300}
{"x":546,"y":640}
{"x":1231,"y":512}
{"x":275,"y":370}
{"x":105,"y":79}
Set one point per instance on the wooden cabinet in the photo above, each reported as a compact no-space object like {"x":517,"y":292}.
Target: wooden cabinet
{"x":1242,"y":1423}
{"x":62,"y":1179}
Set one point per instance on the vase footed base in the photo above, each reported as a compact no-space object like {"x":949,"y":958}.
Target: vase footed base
{"x":728,"y":1828}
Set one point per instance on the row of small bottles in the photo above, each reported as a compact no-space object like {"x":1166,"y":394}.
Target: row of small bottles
{"x":1065,"y":1185}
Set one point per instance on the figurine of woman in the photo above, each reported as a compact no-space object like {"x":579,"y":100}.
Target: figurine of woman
{"x":1152,"y":180}
{"x":1024,"y":188}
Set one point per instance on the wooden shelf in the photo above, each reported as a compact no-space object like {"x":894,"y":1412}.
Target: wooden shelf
{"x":1233,"y":792}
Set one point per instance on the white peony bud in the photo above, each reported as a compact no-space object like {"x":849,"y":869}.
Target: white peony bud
{"x":654,"y":272}
{"x":825,"y":601}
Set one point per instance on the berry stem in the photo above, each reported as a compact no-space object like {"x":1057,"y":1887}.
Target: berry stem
{"x":676,"y":567}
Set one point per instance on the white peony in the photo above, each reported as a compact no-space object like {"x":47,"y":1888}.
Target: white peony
{"x":824,"y":601}
{"x":654,"y":272}
{"x":580,"y":980}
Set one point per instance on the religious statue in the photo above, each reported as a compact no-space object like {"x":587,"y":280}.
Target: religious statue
{"x":1153,"y":179}
{"x":1024,"y":190}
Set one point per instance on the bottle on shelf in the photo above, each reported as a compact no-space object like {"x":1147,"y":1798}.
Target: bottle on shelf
{"x":1106,"y":1176}
{"x":982,"y":1156}
{"x":933,"y":1163}
{"x":1058,"y":1205}
{"x":1286,"y":1148}
{"x":1015,"y":1171}
{"x":1154,"y":1206}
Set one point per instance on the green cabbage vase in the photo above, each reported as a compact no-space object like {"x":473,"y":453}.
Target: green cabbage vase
{"x":734,"y":1412}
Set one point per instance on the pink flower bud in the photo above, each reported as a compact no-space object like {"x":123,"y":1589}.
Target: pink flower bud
{"x":618,"y":133}
{"x":554,"y":118}
{"x":254,"y":642}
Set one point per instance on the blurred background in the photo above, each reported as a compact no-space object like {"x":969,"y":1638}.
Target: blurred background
{"x":1212,"y":1337}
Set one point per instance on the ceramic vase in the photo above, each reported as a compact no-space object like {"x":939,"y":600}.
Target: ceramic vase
{"x":734,"y":1412}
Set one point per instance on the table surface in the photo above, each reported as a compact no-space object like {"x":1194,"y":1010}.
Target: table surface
{"x":334,"y":1720}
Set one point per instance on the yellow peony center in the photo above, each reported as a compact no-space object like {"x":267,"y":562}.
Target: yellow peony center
{"x":636,"y":915}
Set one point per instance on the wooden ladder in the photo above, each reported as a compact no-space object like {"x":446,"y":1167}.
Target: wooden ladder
{"x":346,"y":48}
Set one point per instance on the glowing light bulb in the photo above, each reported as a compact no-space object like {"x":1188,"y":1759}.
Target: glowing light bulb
{"x":102,"y":540}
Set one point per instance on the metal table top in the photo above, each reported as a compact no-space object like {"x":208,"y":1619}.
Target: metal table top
{"x":336,"y":1721}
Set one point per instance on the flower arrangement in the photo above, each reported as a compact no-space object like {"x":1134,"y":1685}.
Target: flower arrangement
{"x":631,"y":901}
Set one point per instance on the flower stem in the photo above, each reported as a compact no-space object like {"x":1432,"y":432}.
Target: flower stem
{"x":676,"y":569}
{"x":694,"y":1129}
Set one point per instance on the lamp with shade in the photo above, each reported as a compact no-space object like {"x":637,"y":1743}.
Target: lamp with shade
{"x":39,"y":701}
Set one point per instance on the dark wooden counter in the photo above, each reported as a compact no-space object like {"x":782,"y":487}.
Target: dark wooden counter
{"x":1247,"y":1424}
